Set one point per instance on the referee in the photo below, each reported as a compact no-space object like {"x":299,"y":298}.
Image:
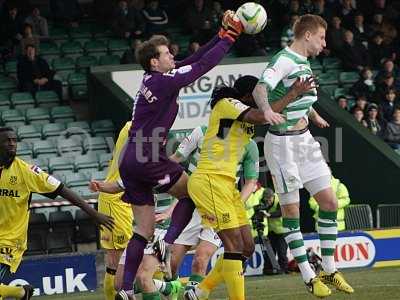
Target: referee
{"x":18,"y":180}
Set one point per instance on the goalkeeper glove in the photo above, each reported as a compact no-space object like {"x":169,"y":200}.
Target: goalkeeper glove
{"x":231,"y":26}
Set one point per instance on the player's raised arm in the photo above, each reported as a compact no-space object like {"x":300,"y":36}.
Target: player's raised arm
{"x":188,"y":145}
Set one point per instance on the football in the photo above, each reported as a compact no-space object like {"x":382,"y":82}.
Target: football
{"x":252,"y":16}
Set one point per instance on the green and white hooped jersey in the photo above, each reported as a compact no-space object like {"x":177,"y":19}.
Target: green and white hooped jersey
{"x":190,"y":148}
{"x":282,"y":71}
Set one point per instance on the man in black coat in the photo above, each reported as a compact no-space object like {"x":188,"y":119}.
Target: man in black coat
{"x":35,"y":75}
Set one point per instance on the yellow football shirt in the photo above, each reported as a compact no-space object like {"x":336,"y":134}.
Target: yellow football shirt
{"x":225,"y":140}
{"x":17,"y":183}
{"x":113,"y":169}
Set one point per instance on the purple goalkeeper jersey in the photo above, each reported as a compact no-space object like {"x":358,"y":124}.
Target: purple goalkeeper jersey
{"x":156,"y":103}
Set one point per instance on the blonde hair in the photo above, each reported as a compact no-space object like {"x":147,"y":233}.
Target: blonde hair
{"x":308,"y":23}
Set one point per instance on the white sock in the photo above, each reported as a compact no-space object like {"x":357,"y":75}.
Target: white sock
{"x":306,"y":272}
{"x":160,"y":285}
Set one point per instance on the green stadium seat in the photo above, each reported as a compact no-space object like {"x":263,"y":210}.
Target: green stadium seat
{"x":348,"y":78}
{"x":117,"y":47}
{"x":70,"y":146}
{"x":8,"y":84}
{"x":49,"y":50}
{"x":24,"y":149}
{"x":4,"y":100}
{"x":63,"y":66}
{"x":315,"y":65}
{"x":95,"y":144}
{"x":58,"y":33}
{"x":44,"y":149}
{"x":13,"y":116}
{"x":40,"y":115}
{"x":103,"y":128}
{"x":99,"y":175}
{"x":81,"y":34}
{"x":109,"y":60}
{"x":331,"y":63}
{"x":104,"y":160}
{"x":29,"y":132}
{"x":22,"y":100}
{"x":329,"y":89}
{"x":10,"y":67}
{"x":78,"y":85}
{"x":78,"y":128}
{"x":341,"y":92}
{"x":71,"y":49}
{"x":330,"y":78}
{"x":76,"y":179}
{"x":47,"y":99}
{"x":60,"y":164}
{"x":87,"y":161}
{"x":42,"y":162}
{"x":53,"y":130}
{"x":83,"y":63}
{"x":95,"y":48}
{"x":64,"y":113}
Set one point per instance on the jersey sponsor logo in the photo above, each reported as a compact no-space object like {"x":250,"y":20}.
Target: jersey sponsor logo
{"x":9,"y":193}
{"x":184,"y":69}
{"x":13,"y":180}
{"x":53,"y":181}
{"x":35,"y":169}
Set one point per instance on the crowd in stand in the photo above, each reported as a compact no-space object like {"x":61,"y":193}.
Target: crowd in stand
{"x":364,"y":35}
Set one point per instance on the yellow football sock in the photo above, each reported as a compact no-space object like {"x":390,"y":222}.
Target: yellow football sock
{"x":232,"y":272}
{"x":108,"y":284}
{"x":11,"y":291}
{"x":213,"y":278}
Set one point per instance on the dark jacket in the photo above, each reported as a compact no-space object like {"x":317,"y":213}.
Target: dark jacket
{"x":27,"y":70}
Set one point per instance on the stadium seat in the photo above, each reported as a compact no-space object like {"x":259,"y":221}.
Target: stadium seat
{"x":62,"y":221}
{"x":53,"y":130}
{"x":22,"y":100}
{"x":329,"y":89}
{"x":38,"y":225}
{"x":35,"y":245}
{"x":13,"y":116}
{"x":59,"y":242}
{"x":163,"y":201}
{"x":86,"y":230}
{"x":315,"y":65}
{"x":42,"y":162}
{"x":76,"y":180}
{"x":95,"y":48}
{"x":10,"y":67}
{"x":60,"y":164}
{"x":117,"y":47}
{"x":103,"y":128}
{"x":348,"y":78}
{"x":29,"y":132}
{"x":62,"y":113}
{"x":44,"y":149}
{"x":81,"y":34}
{"x":49,"y":50}
{"x":358,"y":217}
{"x":8,"y":84}
{"x":40,"y":115}
{"x":78,"y":85}
{"x":328,"y":79}
{"x":331,"y":63}
{"x":58,"y":34}
{"x":71,"y":49}
{"x":63,"y":66}
{"x":95,"y":144}
{"x":70,"y":146}
{"x":109,"y":60}
{"x":98,"y":175}
{"x":78,"y":128}
{"x":388,"y":215}
{"x":86,"y":162}
{"x":4,"y":101}
{"x":24,"y":149}
{"x":83,"y":63}
{"x":104,"y":160}
{"x":84,"y":192}
{"x":47,"y":99}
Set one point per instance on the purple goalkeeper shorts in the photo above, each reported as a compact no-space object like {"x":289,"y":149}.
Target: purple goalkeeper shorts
{"x":141,"y":177}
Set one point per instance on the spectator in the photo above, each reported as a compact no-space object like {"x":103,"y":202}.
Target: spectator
{"x":250,"y":45}
{"x":216,"y":15}
{"x":38,"y":23}
{"x":129,"y":55}
{"x":388,"y":30}
{"x":29,"y":39}
{"x":127,"y":21}
{"x":371,"y":121}
{"x":361,"y":103}
{"x":205,"y":33}
{"x":306,"y":7}
{"x":195,"y":16}
{"x":388,"y":68}
{"x":155,"y":17}
{"x":66,"y":11}
{"x":342,"y":102}
{"x":11,"y":29}
{"x":321,"y":10}
{"x":388,"y":105}
{"x":392,"y":131}
{"x":35,"y":75}
{"x":193,"y":47}
{"x":347,"y":10}
{"x":359,"y":115}
{"x":378,"y":51}
{"x":359,"y":29}
{"x":175,"y":51}
{"x":287,"y":33}
{"x":353,"y":54}
{"x":334,"y":38}
{"x":365,"y":85}
{"x":386,"y":84}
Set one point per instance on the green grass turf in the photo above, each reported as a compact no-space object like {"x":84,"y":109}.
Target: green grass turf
{"x":369,"y":284}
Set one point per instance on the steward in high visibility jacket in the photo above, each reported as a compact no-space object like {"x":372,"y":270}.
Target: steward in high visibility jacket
{"x":251,"y":202}
{"x":342,"y":196}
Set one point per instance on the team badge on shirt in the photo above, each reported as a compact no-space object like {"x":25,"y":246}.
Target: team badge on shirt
{"x":35,"y":169}
{"x":13,"y":180}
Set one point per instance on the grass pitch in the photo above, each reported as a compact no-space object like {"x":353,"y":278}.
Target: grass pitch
{"x":369,"y":284}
